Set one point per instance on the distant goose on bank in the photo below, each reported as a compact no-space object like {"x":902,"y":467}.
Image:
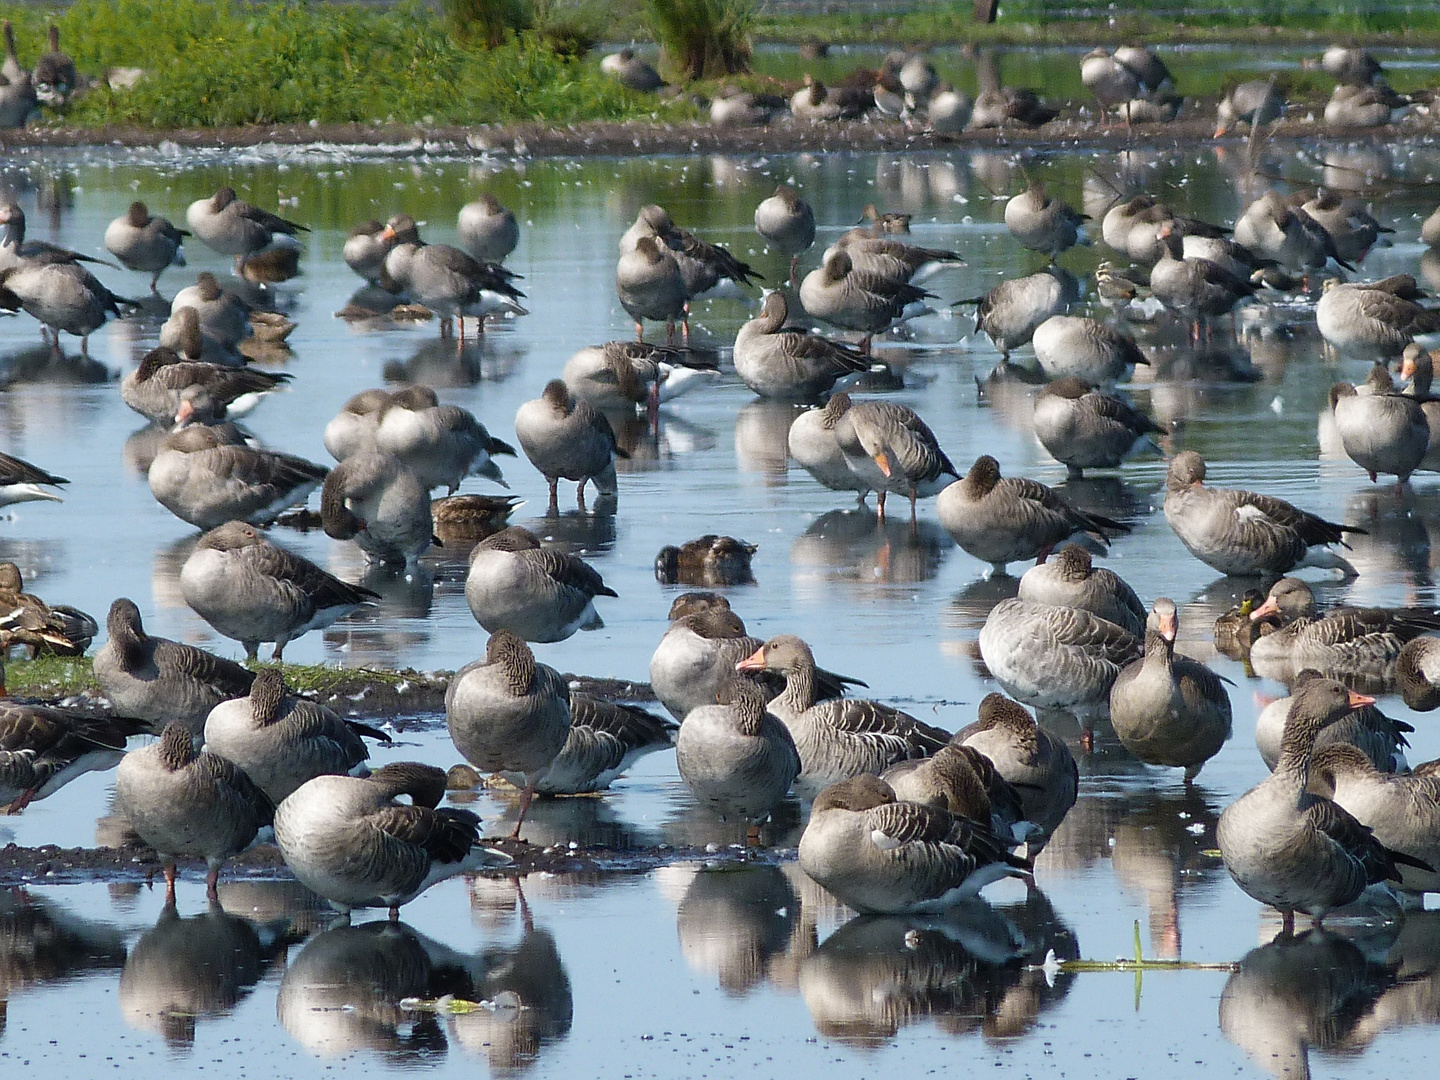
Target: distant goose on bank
{"x":232,"y":226}
{"x":786,"y":221}
{"x":252,"y":590}
{"x":22,"y":482}
{"x":1379,"y":737}
{"x":1011,"y":312}
{"x":568,"y":438}
{"x":488,"y":232}
{"x":17,"y":91}
{"x":206,"y":481}
{"x":350,"y":840}
{"x":845,"y":296}
{"x":1255,"y":102}
{"x":1110,"y":81}
{"x":1070,"y":579}
{"x":1243,"y":532}
{"x":621,"y":375}
{"x":186,"y":803}
{"x":891,"y":449}
{"x":441,"y":444}
{"x":1043,"y":223}
{"x":1086,"y":429}
{"x":159,"y":680}
{"x":163,"y":382}
{"x":54,"y":77}
{"x":447,"y":280}
{"x":1072,"y":345}
{"x":1381,"y":431}
{"x":812,"y":442}
{"x":377,"y":501}
{"x":790,"y":364}
{"x":995,"y":108}
{"x":538,"y":593}
{"x":1365,"y":106}
{"x":737,"y":758}
{"x":631,"y":71}
{"x":949,"y":111}
{"x":145,"y":242}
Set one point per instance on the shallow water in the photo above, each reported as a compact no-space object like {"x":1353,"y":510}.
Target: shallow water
{"x":735,"y":985}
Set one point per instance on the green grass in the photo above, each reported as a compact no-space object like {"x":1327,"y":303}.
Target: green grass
{"x":702,"y":38}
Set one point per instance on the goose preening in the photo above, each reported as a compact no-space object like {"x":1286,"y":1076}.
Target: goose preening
{"x":538,"y":593}
{"x":624,"y":375}
{"x":1084,"y":428}
{"x":1417,"y":673}
{"x":159,"y":680}
{"x":1000,"y":520}
{"x":1169,"y":710}
{"x":231,"y":226}
{"x":145,"y":242}
{"x":1070,"y":579}
{"x":1294,"y":850}
{"x":22,"y":482}
{"x":787,"y":222}
{"x":377,"y":501}
{"x":703,"y":266}
{"x":890,"y":449}
{"x":164,"y":386}
{"x":836,"y":737}
{"x":252,"y":590}
{"x":567,"y":438}
{"x":488,"y":232}
{"x":812,"y":442}
{"x":365,"y":251}
{"x":1243,"y":532}
{"x":1011,"y":312}
{"x":709,"y":561}
{"x":883,"y":856}
{"x":1381,"y":431}
{"x":1379,"y":737}
{"x":350,"y":840}
{"x":447,"y":280}
{"x":605,"y":739}
{"x":203,"y":479}
{"x":893,"y":258}
{"x":188,"y":803}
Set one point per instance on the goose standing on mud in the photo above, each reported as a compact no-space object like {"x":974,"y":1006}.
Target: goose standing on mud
{"x":537,"y":593}
{"x":231,"y":226}
{"x":1083,"y":428}
{"x":786,"y":221}
{"x":890,"y":449}
{"x":568,"y":439}
{"x":146,"y":242}
{"x":605,"y":739}
{"x":790,"y":364}
{"x":446,"y":280}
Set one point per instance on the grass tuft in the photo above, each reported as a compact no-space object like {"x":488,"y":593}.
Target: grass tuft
{"x":702,"y":38}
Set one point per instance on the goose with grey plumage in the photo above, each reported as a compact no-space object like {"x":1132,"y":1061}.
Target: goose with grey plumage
{"x":539,"y":593}
{"x":441,"y":444}
{"x":567,"y":438}
{"x":1011,"y":312}
{"x":21,"y":481}
{"x":846,"y":296}
{"x":1044,"y":223}
{"x":1381,"y":431}
{"x":790,"y":364}
{"x":378,"y":502}
{"x":890,"y":449}
{"x":157,"y":388}
{"x":621,"y":375}
{"x":812,"y":442}
{"x":787,"y":222}
{"x":1072,"y":345}
{"x":1083,"y":428}
{"x":1379,"y":737}
{"x":488,"y":232}
{"x":206,"y":481}
{"x":962,"y":780}
{"x":232,"y":226}
{"x":447,"y":280}
{"x":605,"y":739}
{"x":145,"y":242}
{"x":1070,"y":578}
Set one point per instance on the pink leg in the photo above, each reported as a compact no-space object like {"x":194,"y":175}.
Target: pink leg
{"x":212,"y":884}
{"x":526,"y":797}
{"x":169,"y":870}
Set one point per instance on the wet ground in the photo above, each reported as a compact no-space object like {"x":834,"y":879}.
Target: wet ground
{"x":738,"y":968}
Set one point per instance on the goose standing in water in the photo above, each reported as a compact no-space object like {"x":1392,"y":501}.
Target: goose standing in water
{"x":964,"y":781}
{"x":364,"y":252}
{"x":1374,"y":318}
{"x":204,"y":480}
{"x":159,"y":680}
{"x":889,"y":448}
{"x":1418,"y":367}
{"x":1194,"y":287}
{"x":446,"y":280}
{"x":621,"y":375}
{"x":1243,"y":532}
{"x":843,"y":295}
{"x":350,"y":840}
{"x":441,"y":444}
{"x":1294,"y":850}
{"x":1011,"y":312}
{"x":1085,"y":429}
{"x":790,"y":365}
{"x":1070,"y":579}
{"x":786,"y":221}
{"x":61,"y":296}
{"x":1381,"y":431}
{"x":231,"y":226}
{"x":163,"y":382}
{"x":883,"y":856}
{"x":1043,"y":223}
{"x":811,"y":441}
{"x":146,"y":242}
{"x":187,"y":803}
{"x":836,"y":738}
{"x":1072,"y":346}
{"x":1170,"y":710}
{"x":605,"y":739}
{"x":568,"y":439}
{"x":488,"y":232}
{"x":1379,"y":737}
{"x":22,"y":482}
{"x":538,"y":593}
{"x":650,"y":286}
{"x":375,"y":500}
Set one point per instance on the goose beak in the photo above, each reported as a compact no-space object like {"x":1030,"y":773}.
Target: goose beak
{"x":754,"y":662}
{"x":1407,"y":368}
{"x":1357,"y":700}
{"x":883,"y":461}
{"x":1167,"y":627}
{"x":1269,"y":607}
{"x":387,"y":234}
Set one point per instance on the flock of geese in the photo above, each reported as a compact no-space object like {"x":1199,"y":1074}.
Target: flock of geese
{"x":904,"y":816}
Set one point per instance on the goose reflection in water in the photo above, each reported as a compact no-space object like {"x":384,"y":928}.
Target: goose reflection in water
{"x":443,"y":365}
{"x":183,"y":970}
{"x":1296,"y":993}
{"x":734,"y":922}
{"x":850,"y":546}
{"x":1414,"y":999}
{"x":42,"y":943}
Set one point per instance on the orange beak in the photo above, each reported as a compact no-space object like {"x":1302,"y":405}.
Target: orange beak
{"x":1269,"y":607}
{"x":1219,"y":131}
{"x":387,"y":234}
{"x":1357,"y":700}
{"x":184,"y":414}
{"x":1167,"y":627}
{"x":884,"y":462}
{"x":1407,"y":368}
{"x":754,"y":662}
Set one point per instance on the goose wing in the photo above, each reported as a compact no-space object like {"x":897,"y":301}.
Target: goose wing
{"x":570,"y":570}
{"x":225,"y":676}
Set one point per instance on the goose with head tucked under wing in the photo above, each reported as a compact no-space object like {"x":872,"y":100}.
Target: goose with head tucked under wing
{"x":883,"y":856}
{"x":1244,"y":532}
{"x":1365,"y":106}
{"x":447,"y":280}
{"x":621,"y":375}
{"x":231,"y":226}
{"x":223,"y":315}
{"x":790,"y":364}
{"x":538,"y":593}
{"x":1379,"y":737}
{"x":146,"y":242}
{"x":811,"y":441}
{"x":1001,"y":520}
{"x":837,"y":737}
{"x":1044,"y":223}
{"x":1294,"y":850}
{"x":568,"y":438}
{"x":703,"y":265}
{"x":891,"y":449}
{"x":190,"y":803}
{"x":786,"y":221}
{"x":488,"y":231}
{"x":964,"y":781}
{"x":1086,"y":429}
{"x":1349,"y":222}
{"x":605,"y":739}
{"x":22,"y":482}
{"x":441,"y":444}
{"x":1076,"y":346}
{"x":1417,"y":673}
{"x":1070,"y":579}
{"x":350,"y":840}
{"x":843,"y":294}
{"x":650,"y":286}
{"x":252,"y":590}
{"x":1011,"y":312}
{"x":364,"y":252}
{"x":1418,"y":366}
{"x":159,"y":680}
{"x":375,"y":500}
{"x":205,"y":480}
{"x":1381,"y":431}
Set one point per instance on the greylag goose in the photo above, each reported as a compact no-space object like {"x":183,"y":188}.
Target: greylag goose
{"x":1255,"y":102}
{"x":281,"y":741}
{"x":703,"y":266}
{"x":15,"y":249}
{"x":509,"y":714}
{"x":537,"y":593}
{"x":17,"y":92}
{"x":1148,"y":68}
{"x":1057,"y":658}
{"x":54,"y":77}
{"x":1294,"y":850}
{"x":43,"y":748}
{"x":1270,"y":228}
{"x":348,"y":839}
{"x":568,"y":439}
{"x":446,"y":280}
{"x":1234,"y":633}
{"x":204,"y":480}
{"x":375,"y":500}
{"x":787,"y":222}
{"x":365,"y":251}
{"x":733,"y":107}
{"x":1079,"y":347}
{"x":882,"y":856}
{"x":709,"y":560}
{"x":251,"y":590}
{"x":1342,"y":642}
{"x":1348,"y":64}
{"x":1070,"y":579}
{"x":1430,"y":229}
{"x":488,"y":232}
{"x":354,"y":428}
{"x":893,"y":258}
{"x":163,"y":382}
{"x":962,"y":780}
{"x":1039,"y":765}
{"x":919,"y":78}
{"x":159,"y":680}
{"x":836,"y":738}
{"x":184,"y":335}
{"x":605,"y":739}
{"x":1374,"y":318}
{"x":1244,"y":532}
{"x":1352,"y":228}
{"x":811,"y":441}
{"x":994,"y":108}
{"x":1401,"y":812}
{"x":790,"y":365}
{"x":1417,"y":673}
{"x":187,"y":803}
{"x":1010,"y":313}
{"x":631,"y":71}
{"x":949,"y":111}
{"x":1110,"y":81}
{"x":621,"y":375}
{"x":1043,"y":223}
{"x":1194,"y":287}
{"x":1381,"y":431}
{"x":846,"y":296}
{"x":22,"y":482}
{"x":889,"y":448}
{"x":1364,"y":106}
{"x":223,"y":315}
{"x":1380,"y":738}
{"x":25,"y":619}
{"x":814,"y":104}
{"x":737,"y":759}
{"x":649,"y":284}
{"x":145,"y":242}
{"x":62,"y":296}
{"x":441,"y":444}
{"x":1001,"y":520}
{"x":1085,"y":429}
{"x":231,"y":226}
{"x":1169,"y":710}
{"x":1418,"y":367}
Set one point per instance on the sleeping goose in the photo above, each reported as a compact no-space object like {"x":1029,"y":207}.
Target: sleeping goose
{"x":252,"y":590}
{"x":631,"y":70}
{"x":377,"y":501}
{"x":509,"y":714}
{"x":568,"y":439}
{"x":231,"y":226}
{"x":1243,"y":532}
{"x":889,"y":448}
{"x":650,"y":286}
{"x":811,"y":441}
{"x":185,"y":335}
{"x":1294,"y":850}
{"x":1380,"y":738}
{"x":1255,"y":102}
{"x":1350,"y":224}
{"x":281,"y":740}
{"x":882,"y":856}
{"x":187,"y":803}
{"x":488,"y":232}
{"x":441,"y":444}
{"x":964,"y":781}
{"x":158,"y":387}
{"x":1417,"y":673}
{"x":1011,"y":312}
{"x":1271,"y":228}
{"x":538,"y":593}
{"x":22,"y":482}
{"x":1110,"y":81}
{"x":790,"y":364}
{"x":54,"y":77}
{"x":1070,"y":579}
{"x":1169,"y":710}
{"x":1365,"y":106}
{"x":1079,"y":347}
{"x":350,"y":840}
{"x":1001,"y":520}
{"x":17,"y":90}
{"x":621,"y":375}
{"x":145,"y":242}
{"x":1086,"y":429}
{"x":605,"y":739}
{"x":838,"y":737}
{"x":787,"y":222}
{"x":843,"y":295}
{"x":1043,"y":223}
{"x":1381,"y":431}
{"x":223,"y":315}
{"x":703,"y":266}
{"x":893,"y":258}
{"x":1373,"y":318}
{"x":159,"y":680}
{"x":446,"y":280}
{"x":1194,"y":287}
{"x":204,"y":480}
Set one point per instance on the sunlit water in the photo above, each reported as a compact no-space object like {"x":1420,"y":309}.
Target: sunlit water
{"x":721,"y":969}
